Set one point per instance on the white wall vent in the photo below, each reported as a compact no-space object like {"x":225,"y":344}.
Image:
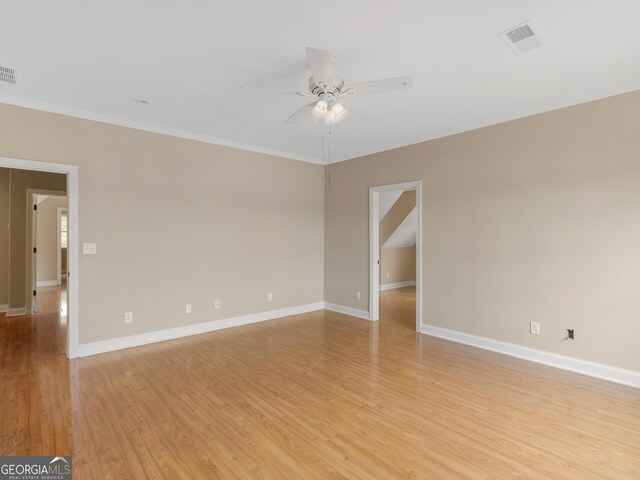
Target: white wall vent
{"x":7,"y":74}
{"x":523,"y":37}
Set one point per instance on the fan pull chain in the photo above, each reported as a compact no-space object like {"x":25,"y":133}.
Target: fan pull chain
{"x":326,"y":154}
{"x":329,"y":158}
{"x":322,"y":144}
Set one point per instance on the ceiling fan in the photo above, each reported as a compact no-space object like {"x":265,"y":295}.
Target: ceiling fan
{"x":330,"y":92}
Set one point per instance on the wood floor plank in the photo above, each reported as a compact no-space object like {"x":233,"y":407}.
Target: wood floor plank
{"x":319,"y":395}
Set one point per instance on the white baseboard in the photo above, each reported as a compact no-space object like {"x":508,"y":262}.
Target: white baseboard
{"x":16,"y":312}
{"x":47,"y":283}
{"x":4,"y":308}
{"x":584,"y":367}
{"x":391,"y":286}
{"x":87,"y":349}
{"x":354,"y":312}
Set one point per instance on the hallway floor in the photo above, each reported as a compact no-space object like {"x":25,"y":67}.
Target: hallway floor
{"x":399,"y":306}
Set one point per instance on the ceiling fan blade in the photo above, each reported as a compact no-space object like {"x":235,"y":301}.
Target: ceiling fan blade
{"x":354,"y":107}
{"x":300,"y":114}
{"x":321,"y":65}
{"x":379,"y":86}
{"x":275,"y":90}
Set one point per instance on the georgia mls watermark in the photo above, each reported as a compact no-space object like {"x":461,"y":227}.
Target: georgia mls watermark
{"x":35,"y":468}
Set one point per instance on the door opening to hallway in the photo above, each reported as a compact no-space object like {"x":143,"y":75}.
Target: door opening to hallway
{"x":395,"y":257}
{"x":27,"y":277}
{"x":49,"y":241}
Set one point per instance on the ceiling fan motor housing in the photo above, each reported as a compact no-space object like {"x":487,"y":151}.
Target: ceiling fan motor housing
{"x":323,"y":90}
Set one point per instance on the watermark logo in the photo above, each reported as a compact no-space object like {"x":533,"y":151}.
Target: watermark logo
{"x":35,"y":468}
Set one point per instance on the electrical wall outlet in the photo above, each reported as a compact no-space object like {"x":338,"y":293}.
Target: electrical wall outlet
{"x":269,"y":297}
{"x":387,"y":274}
{"x":187,"y":309}
{"x":89,"y":248}
{"x":357,"y":295}
{"x":128,"y":317}
{"x":216,"y":304}
{"x":534,"y":328}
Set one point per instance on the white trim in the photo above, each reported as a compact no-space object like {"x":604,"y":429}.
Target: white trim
{"x":392,"y":286}
{"x":47,"y":283}
{"x":72,"y":251}
{"x":374,"y":251}
{"x":576,"y":365}
{"x":4,"y":308}
{"x":147,"y":127}
{"x":353,"y":312}
{"x":397,"y":186}
{"x":17,"y":312}
{"x":113,"y":344}
{"x":374,"y":247}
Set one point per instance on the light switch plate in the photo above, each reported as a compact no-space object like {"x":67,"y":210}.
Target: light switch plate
{"x":89,"y":248}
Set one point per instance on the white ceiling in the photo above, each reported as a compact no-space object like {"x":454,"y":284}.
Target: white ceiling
{"x":188,"y":58}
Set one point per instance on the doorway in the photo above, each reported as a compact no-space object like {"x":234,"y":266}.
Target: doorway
{"x":375,"y":195}
{"x":71,"y":172}
{"x":48,"y":241}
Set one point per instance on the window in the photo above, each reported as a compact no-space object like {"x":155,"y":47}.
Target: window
{"x":63,"y":230}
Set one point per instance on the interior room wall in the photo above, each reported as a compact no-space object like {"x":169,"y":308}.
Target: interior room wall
{"x":4,"y":239}
{"x":536,"y":219}
{"x":47,"y":238}
{"x":397,"y":265}
{"x":21,"y":180}
{"x":178,"y":222}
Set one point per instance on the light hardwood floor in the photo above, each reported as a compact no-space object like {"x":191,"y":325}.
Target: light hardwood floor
{"x":319,"y":395}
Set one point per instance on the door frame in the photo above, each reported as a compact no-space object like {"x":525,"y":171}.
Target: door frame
{"x":72,"y":252}
{"x":374,"y":247}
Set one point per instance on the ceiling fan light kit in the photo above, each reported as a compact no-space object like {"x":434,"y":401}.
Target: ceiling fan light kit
{"x":320,"y":110}
{"x":336,"y":114}
{"x":330,"y":112}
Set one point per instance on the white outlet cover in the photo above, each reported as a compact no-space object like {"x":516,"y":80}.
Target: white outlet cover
{"x":90,"y":248}
{"x":216,"y":304}
{"x":187,"y":309}
{"x":128,"y":317}
{"x":269,"y":297}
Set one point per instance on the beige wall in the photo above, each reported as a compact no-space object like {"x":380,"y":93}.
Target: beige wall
{"x":536,"y":219}
{"x":397,"y":265}
{"x":21,"y":180}
{"x":4,"y":238}
{"x":178,"y":221}
{"x":47,"y":238}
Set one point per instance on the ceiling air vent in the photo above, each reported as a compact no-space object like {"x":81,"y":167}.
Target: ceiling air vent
{"x":522,"y":38}
{"x":7,"y":74}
